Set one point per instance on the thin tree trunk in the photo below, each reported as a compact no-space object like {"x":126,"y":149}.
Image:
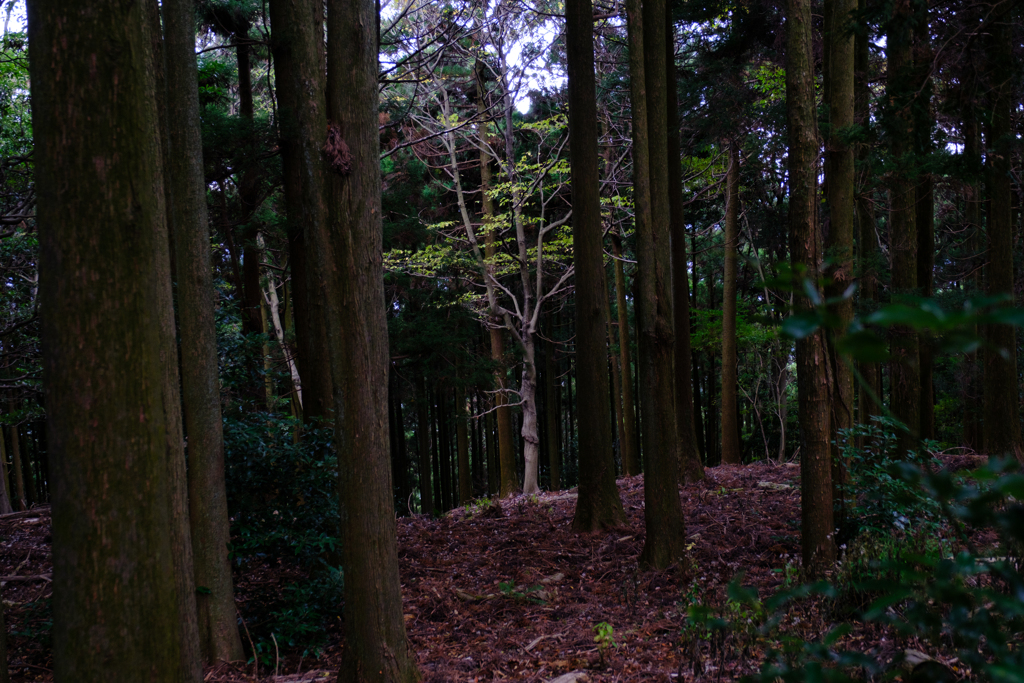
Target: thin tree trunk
{"x":690,"y":467}
{"x":630,"y":455}
{"x":218,"y":638}
{"x":19,"y":475}
{"x":973,"y":398}
{"x":818,"y":545}
{"x":869,"y":258}
{"x":423,"y":439}
{"x":924,"y":123}
{"x":663,"y":517}
{"x":905,"y":371}
{"x":348,"y":264}
{"x":462,"y":439}
{"x":5,"y":491}
{"x":101,"y":207}
{"x":598,"y":505}
{"x":1002,"y":397}
{"x":298,"y":49}
{"x":840,"y":182}
{"x":509,"y":480}
{"x":552,"y":406}
{"x":613,"y":363}
{"x":730,"y":429}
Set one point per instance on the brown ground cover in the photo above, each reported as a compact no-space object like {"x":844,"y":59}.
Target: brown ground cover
{"x":508,"y":591}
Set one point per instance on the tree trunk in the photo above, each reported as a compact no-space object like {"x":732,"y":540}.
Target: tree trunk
{"x":869,"y":258}
{"x":924,"y":201}
{"x":690,"y":468}
{"x":818,"y":546}
{"x":348,"y":266}
{"x":462,"y":440}
{"x":598,"y":505}
{"x":509,"y":480}
{"x":905,"y":372}
{"x":297,"y":44}
{"x":730,"y":429}
{"x":1002,"y":399}
{"x":423,"y":439}
{"x":663,"y":517}
{"x":973,"y":392}
{"x":552,"y":401}
{"x":529,"y":431}
{"x":185,"y":186}
{"x":20,"y":501}
{"x":101,"y":210}
{"x":630,"y":456}
{"x":5,"y":490}
{"x":840,"y":182}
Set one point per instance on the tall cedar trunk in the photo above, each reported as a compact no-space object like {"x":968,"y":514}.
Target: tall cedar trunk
{"x":252,"y":298}
{"x":508,"y":478}
{"x":435,"y":454}
{"x":444,"y":451}
{"x":214,"y":607}
{"x":462,"y":441}
{"x":818,"y":546}
{"x":18,"y":470}
{"x":630,"y":455}
{"x":347,"y":265}
{"x":662,"y":511}
{"x":298,"y":48}
{"x":493,"y":482}
{"x":730,"y":429}
{"x":905,"y":372}
{"x":613,"y":364}
{"x":106,"y":290}
{"x":1002,"y":425}
{"x":477,"y":424}
{"x":924,"y":201}
{"x":868,"y":256}
{"x":973,"y":392}
{"x":404,"y":484}
{"x":423,"y":441}
{"x":840,"y":181}
{"x":5,"y":489}
{"x":698,"y":410}
{"x":552,"y":412}
{"x":598,"y":505}
{"x":690,"y":469}
{"x":177,"y":478}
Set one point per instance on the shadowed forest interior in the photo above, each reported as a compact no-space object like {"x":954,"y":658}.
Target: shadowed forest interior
{"x":535,"y":340}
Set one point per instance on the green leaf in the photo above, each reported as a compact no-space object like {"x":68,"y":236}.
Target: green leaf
{"x":801,"y":325}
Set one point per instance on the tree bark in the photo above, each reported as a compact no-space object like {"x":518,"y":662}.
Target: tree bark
{"x":905,"y":371}
{"x":630,"y":455}
{"x":598,"y":505}
{"x":298,"y":49}
{"x":508,"y":478}
{"x":818,"y":545}
{"x":690,"y":467}
{"x":1002,"y":397}
{"x":423,"y":439}
{"x":348,"y":263}
{"x":552,"y":405}
{"x":869,"y":258}
{"x":840,"y":182}
{"x":663,"y":517}
{"x":730,"y":429}
{"x":106,"y":292}
{"x":462,"y":441}
{"x":5,"y":490}
{"x":186,"y":198}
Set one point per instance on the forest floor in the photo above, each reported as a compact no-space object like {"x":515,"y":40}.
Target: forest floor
{"x":509,"y":592}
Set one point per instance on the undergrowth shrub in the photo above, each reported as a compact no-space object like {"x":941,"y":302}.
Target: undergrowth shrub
{"x":283,"y":500}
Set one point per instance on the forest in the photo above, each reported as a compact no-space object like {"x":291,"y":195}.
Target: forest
{"x":530,"y":340}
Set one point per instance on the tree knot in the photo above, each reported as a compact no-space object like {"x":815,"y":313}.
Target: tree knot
{"x":336,"y":152}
